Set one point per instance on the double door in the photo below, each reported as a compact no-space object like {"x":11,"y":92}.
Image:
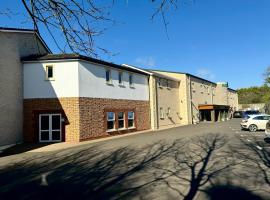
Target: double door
{"x":50,"y":128}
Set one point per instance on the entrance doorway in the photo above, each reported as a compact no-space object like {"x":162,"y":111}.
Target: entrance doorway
{"x":50,"y":128}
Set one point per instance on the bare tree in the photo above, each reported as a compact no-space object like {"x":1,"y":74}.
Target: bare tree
{"x":81,"y":21}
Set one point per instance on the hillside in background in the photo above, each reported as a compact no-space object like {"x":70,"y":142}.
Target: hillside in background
{"x":254,"y":95}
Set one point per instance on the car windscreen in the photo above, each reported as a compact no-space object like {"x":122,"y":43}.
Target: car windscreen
{"x":253,"y":112}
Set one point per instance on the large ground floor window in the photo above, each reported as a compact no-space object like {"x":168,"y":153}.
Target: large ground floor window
{"x":120,"y":120}
{"x":131,"y":119}
{"x":110,"y":121}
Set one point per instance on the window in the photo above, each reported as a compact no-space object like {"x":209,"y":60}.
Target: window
{"x":131,"y":84}
{"x":168,"y":85}
{"x":161,"y":113}
{"x":110,"y":121}
{"x":49,"y":73}
{"x":120,"y":78}
{"x":108,"y":76}
{"x":168,"y":111}
{"x":121,"y":120}
{"x":266,"y":118}
{"x":159,"y":83}
{"x":258,"y":118}
{"x":131,"y":119}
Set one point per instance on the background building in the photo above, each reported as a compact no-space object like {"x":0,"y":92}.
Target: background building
{"x":15,"y":44}
{"x":203,"y":100}
{"x":164,"y":101}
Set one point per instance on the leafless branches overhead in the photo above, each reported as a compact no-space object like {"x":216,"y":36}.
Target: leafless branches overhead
{"x":78,"y":20}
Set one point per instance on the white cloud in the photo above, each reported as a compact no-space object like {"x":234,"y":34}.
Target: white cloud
{"x":148,"y":61}
{"x":205,"y":73}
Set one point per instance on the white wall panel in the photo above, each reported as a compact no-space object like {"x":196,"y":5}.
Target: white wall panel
{"x":65,"y":83}
{"x":93,"y":84}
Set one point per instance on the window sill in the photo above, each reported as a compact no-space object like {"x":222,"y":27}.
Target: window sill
{"x":121,"y":129}
{"x":111,"y":130}
{"x":130,"y":128}
{"x":115,"y":130}
{"x":49,"y":79}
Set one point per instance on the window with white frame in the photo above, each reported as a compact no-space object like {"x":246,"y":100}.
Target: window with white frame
{"x":131,"y":117}
{"x":121,"y":120}
{"x":49,"y":72}
{"x":108,"y":76}
{"x":130,"y":78}
{"x":168,"y":111}
{"x":161,"y":113}
{"x":110,"y":121}
{"x":120,"y":78}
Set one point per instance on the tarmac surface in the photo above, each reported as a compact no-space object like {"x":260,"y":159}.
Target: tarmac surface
{"x":205,"y":161}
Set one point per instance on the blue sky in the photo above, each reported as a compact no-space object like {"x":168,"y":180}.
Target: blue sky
{"x":221,"y":40}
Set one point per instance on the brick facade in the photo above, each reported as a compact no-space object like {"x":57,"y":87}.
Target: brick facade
{"x":93,"y":115}
{"x":68,"y":107}
{"x":85,"y":118}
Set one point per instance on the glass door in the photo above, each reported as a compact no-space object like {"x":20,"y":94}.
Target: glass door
{"x":50,"y":128}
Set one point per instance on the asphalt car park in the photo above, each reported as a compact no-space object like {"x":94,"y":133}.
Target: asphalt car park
{"x":258,"y":138}
{"x":151,"y":165}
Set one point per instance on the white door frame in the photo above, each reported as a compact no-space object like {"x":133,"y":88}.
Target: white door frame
{"x":50,"y":127}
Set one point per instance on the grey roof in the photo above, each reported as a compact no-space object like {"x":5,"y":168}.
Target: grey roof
{"x":150,"y":72}
{"x":84,"y":58}
{"x":188,"y":74}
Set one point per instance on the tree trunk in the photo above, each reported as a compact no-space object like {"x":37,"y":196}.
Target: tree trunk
{"x":192,"y":192}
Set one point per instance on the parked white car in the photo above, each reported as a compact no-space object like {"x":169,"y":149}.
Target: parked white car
{"x":267,"y":130}
{"x":255,"y":122}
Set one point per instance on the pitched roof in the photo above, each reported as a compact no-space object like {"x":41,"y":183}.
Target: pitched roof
{"x":51,"y":57}
{"x":153,"y":73}
{"x":188,"y":74}
{"x":232,"y":90}
{"x":23,"y":30}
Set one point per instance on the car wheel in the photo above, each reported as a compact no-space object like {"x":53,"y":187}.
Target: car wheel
{"x":253,"y":128}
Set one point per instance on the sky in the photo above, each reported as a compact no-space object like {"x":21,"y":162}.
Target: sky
{"x":219,"y":40}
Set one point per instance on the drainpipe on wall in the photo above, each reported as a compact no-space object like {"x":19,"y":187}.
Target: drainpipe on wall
{"x":157,"y":107}
{"x":190,"y":96}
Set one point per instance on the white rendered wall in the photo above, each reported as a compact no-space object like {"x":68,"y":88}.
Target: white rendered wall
{"x":65,"y":83}
{"x":93,"y":83}
{"x":80,"y":79}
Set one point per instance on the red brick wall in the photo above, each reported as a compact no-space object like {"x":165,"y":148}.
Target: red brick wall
{"x":93,"y":115}
{"x":69,"y":107}
{"x":85,"y":118}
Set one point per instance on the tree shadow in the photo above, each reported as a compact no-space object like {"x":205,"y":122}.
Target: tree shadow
{"x":197,"y":164}
{"x":21,"y":148}
{"x":254,"y":162}
{"x":229,"y":192}
{"x":183,"y":167}
{"x":90,"y":172}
